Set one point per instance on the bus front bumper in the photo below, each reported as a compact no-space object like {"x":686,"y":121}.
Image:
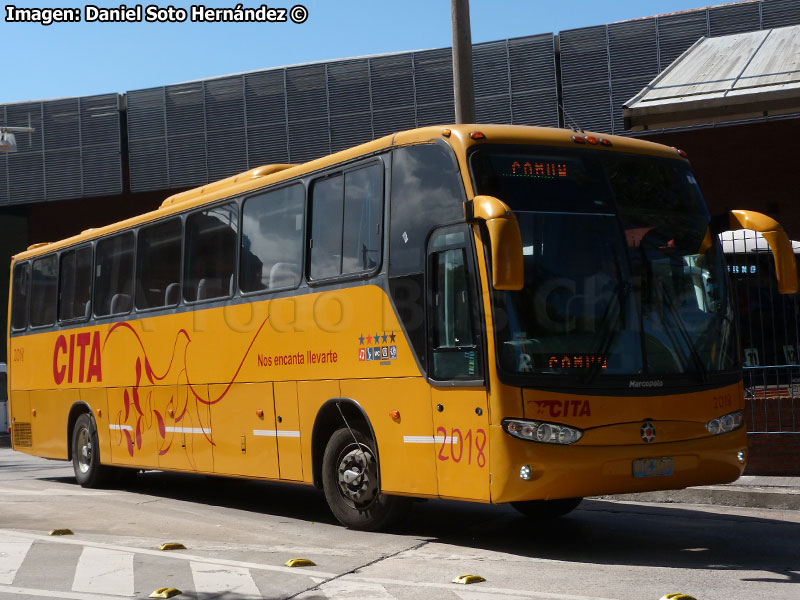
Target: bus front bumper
{"x":560,"y":471}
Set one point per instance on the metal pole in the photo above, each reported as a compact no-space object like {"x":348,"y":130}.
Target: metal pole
{"x":463,"y":86}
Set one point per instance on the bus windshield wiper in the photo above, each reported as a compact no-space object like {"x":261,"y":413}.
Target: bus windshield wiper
{"x":687,"y":338}
{"x":608,"y":333}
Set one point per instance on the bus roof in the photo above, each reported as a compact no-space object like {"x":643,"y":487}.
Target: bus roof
{"x":459,"y":138}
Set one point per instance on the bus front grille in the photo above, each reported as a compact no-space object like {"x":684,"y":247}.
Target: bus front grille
{"x":21,"y":434}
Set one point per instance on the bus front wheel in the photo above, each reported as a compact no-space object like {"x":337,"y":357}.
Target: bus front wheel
{"x":351,"y":485}
{"x":546,"y":509}
{"x":86,"y":454}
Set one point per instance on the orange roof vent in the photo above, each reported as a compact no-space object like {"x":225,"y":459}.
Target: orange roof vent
{"x":195,"y":193}
{"x":39,"y":245}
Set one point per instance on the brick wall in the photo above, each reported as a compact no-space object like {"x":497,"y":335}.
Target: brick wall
{"x":773,"y":426}
{"x":774,"y":454}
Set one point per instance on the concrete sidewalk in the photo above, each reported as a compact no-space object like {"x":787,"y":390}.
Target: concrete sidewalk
{"x":749,"y":491}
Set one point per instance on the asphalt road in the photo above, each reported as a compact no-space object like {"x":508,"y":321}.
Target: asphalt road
{"x":239,"y":534}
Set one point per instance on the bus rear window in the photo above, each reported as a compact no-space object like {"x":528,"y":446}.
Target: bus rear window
{"x":19,"y":300}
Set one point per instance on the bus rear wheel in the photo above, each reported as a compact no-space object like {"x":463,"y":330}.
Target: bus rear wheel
{"x":351,"y":485}
{"x":86,"y":454}
{"x":546,"y":509}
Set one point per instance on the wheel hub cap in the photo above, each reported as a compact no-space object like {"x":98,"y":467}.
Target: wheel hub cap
{"x":84,"y":451}
{"x":357,"y":476}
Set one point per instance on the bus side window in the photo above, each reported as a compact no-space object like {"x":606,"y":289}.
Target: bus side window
{"x":44,"y":291}
{"x":272,"y":240}
{"x":346,"y":222}
{"x":363,"y":219}
{"x":75,"y":284}
{"x":158,"y":262}
{"x":210,"y":259}
{"x":19,"y":300}
{"x":327,"y":201}
{"x":113,"y":275}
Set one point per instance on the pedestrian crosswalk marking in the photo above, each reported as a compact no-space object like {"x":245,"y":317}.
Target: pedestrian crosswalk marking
{"x":214,"y":579}
{"x":71,"y":491}
{"x":104,"y":572}
{"x":160,"y":554}
{"x":346,"y":588}
{"x":11,"y":556}
{"x":235,"y":575}
{"x":20,"y":591}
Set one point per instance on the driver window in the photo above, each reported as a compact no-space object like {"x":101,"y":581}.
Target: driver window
{"x":454,"y":345}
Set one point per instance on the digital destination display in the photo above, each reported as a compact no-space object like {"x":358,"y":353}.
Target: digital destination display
{"x":537,"y":169}
{"x":577,"y":361}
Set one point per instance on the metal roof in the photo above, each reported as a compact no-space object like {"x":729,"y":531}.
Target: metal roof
{"x":726,"y":78}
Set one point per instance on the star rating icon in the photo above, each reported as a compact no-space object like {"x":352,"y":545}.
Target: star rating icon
{"x":377,"y":338}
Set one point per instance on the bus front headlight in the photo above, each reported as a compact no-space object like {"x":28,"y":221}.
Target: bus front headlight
{"x":538,"y":431}
{"x":725,"y":423}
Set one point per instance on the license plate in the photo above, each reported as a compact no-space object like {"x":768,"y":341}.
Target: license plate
{"x":652,"y":467}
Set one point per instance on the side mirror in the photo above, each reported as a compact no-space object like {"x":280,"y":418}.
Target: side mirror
{"x":785,"y":266}
{"x":508,"y":271}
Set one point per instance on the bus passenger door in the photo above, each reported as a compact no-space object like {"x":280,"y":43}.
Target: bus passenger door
{"x":455,"y":367}
{"x":243,"y":422}
{"x":186,"y":440}
{"x":287,"y":431}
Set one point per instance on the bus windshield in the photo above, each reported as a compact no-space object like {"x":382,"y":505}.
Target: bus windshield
{"x":623,"y":277}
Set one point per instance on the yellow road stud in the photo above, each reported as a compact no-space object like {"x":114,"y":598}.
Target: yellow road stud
{"x":60,"y":532}
{"x":465,"y":579}
{"x":172,"y":546}
{"x":300,"y":562}
{"x":164,"y":593}
{"x":677,"y":597}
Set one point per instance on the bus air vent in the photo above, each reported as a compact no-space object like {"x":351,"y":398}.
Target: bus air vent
{"x":195,"y":193}
{"x":38,"y":245}
{"x":21,"y":434}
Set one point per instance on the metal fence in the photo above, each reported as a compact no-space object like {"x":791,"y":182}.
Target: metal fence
{"x":769,"y":330}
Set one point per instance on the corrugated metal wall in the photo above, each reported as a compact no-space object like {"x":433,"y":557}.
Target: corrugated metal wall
{"x":75,"y":152}
{"x":189,"y":134}
{"x":192,"y":133}
{"x":603,"y":66}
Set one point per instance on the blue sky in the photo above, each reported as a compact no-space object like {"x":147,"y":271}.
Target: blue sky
{"x":79,"y":59}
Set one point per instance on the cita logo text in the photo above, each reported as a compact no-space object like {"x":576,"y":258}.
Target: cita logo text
{"x":76,"y":358}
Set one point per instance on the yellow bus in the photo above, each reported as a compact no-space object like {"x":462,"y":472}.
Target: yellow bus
{"x":476,"y":312}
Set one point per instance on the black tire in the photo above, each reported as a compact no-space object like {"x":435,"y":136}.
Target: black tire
{"x":352,"y":491}
{"x":86,"y":454}
{"x":546,"y":509}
